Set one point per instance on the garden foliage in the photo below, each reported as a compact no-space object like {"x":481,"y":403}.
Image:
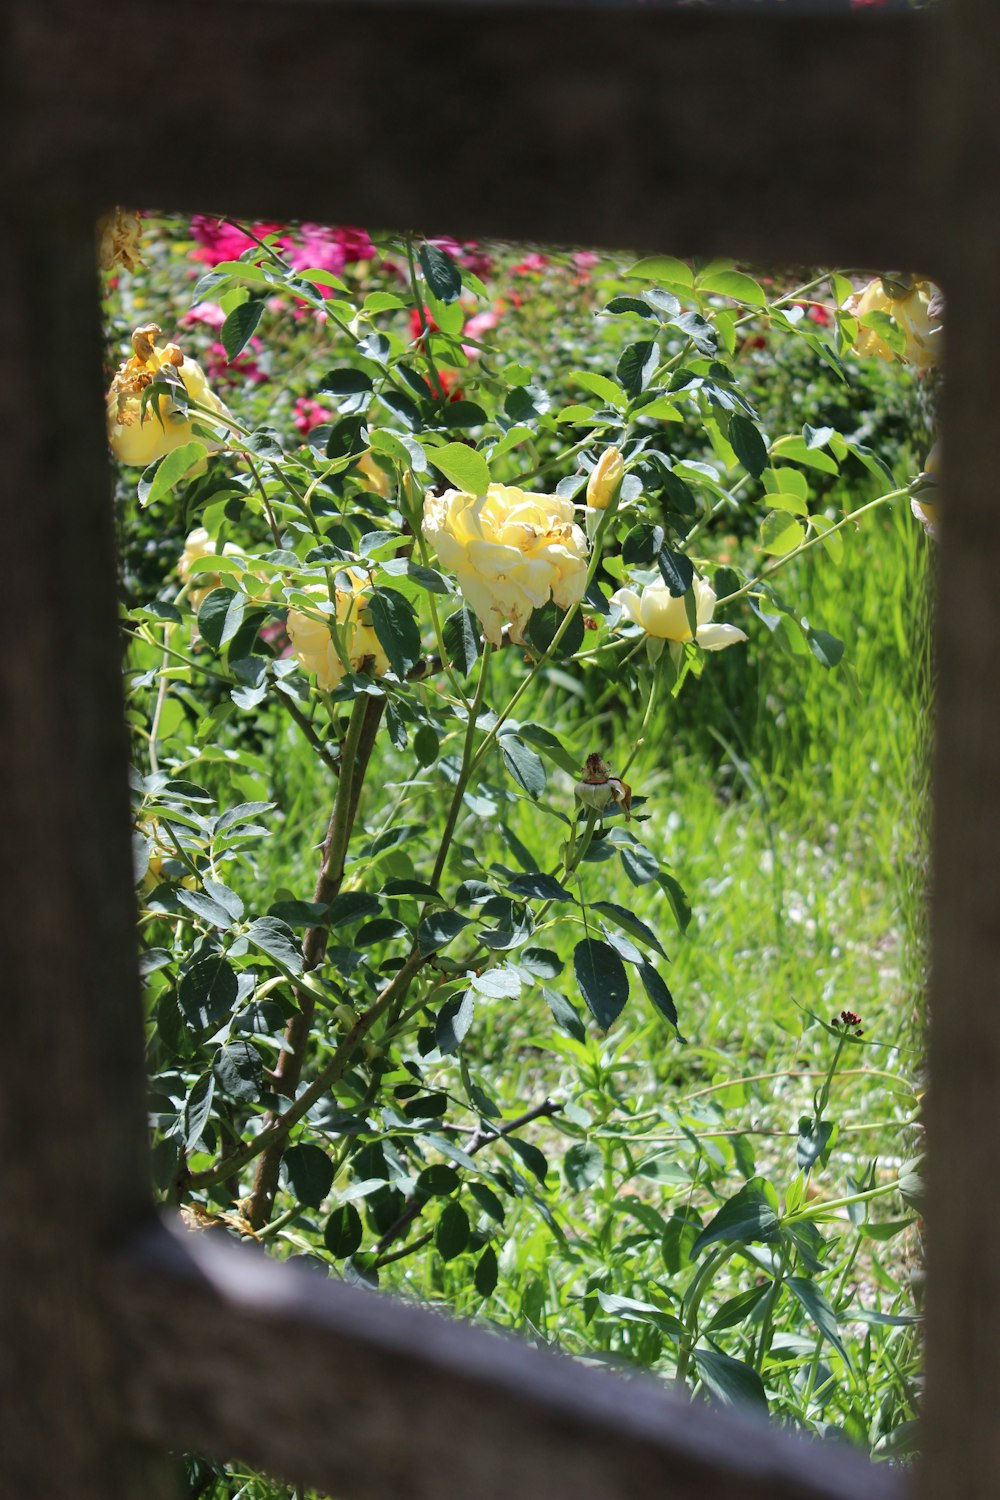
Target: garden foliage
{"x":425,"y":549}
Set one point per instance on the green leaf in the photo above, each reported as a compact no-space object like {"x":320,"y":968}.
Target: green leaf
{"x":530,"y":1155}
{"x":438,"y":1181}
{"x":221,"y":616}
{"x":630,"y":923}
{"x":212,"y":912}
{"x":309,"y":1172}
{"x":440,"y":272}
{"x":488,"y":1201}
{"x":543,"y":624}
{"x":620,"y":305}
{"x":662,"y":268}
{"x":582,"y":1165}
{"x":523,"y":764}
{"x":486,"y":1272}
{"x":798,"y":450}
{"x":350,"y":906}
{"x":439,"y":928}
{"x":733,"y":284}
{"x":747,"y":444}
{"x":453,"y":1022}
{"x":819,"y":1310}
{"x":833,"y":541}
{"x":660,"y":995}
{"x":826,"y":648}
{"x":636,"y":366}
{"x":784,"y":500}
{"x":460,"y":634}
{"x":538,"y":887}
{"x":501,"y":983}
{"x":239,"y":1071}
{"x":396,"y":628}
{"x":780,"y":533}
{"x":426,"y":745}
{"x":600,"y":385}
{"x":160,"y":477}
{"x":887,"y":329}
{"x":751,"y":1217}
{"x":344,"y":1231}
{"x":346,"y":382}
{"x":737,"y":1309}
{"x":277,"y":941}
{"x":641,"y":545}
{"x":197,"y":1108}
{"x":452,"y":1233}
{"x":564,"y":1014}
{"x":602,"y":978}
{"x":814,"y":1138}
{"x":729,"y":1380}
{"x":240,"y":325}
{"x":676,"y":570}
{"x":464,"y":467}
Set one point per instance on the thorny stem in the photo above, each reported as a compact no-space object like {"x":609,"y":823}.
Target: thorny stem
{"x":365,"y":715}
{"x":469,"y":763}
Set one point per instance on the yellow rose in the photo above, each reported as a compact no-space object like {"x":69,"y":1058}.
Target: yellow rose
{"x":665,"y":618}
{"x":313,"y":643}
{"x":511,"y":553}
{"x":605,"y":479}
{"x":139,"y":441}
{"x":917,"y":309}
{"x":200,"y":544}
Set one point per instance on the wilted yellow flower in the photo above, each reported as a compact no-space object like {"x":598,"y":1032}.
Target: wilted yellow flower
{"x":925,"y":494}
{"x":917,"y":308}
{"x":119,"y":241}
{"x":665,"y":618}
{"x":313,"y":644}
{"x":200,"y":544}
{"x":511,"y":553}
{"x":138,"y":441}
{"x":605,"y":479}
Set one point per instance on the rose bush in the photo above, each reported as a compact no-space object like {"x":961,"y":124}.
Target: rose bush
{"x":399,"y":866}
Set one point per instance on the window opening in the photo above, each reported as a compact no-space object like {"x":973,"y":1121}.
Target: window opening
{"x":528,"y":672}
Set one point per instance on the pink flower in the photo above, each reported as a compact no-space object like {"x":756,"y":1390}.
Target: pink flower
{"x":318,"y":249}
{"x":531,"y":263}
{"x":221,"y":241}
{"x":585,"y":260}
{"x":208,"y":313}
{"x":480,"y":323}
{"x":307,"y":414}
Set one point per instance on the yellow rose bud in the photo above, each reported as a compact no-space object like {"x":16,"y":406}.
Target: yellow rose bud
{"x":925,"y":492}
{"x":313,"y":643}
{"x":915,"y":306}
{"x":200,"y":544}
{"x":377,"y":479}
{"x":665,"y":618}
{"x":139,"y":438}
{"x":605,"y":479}
{"x":510,"y":551}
